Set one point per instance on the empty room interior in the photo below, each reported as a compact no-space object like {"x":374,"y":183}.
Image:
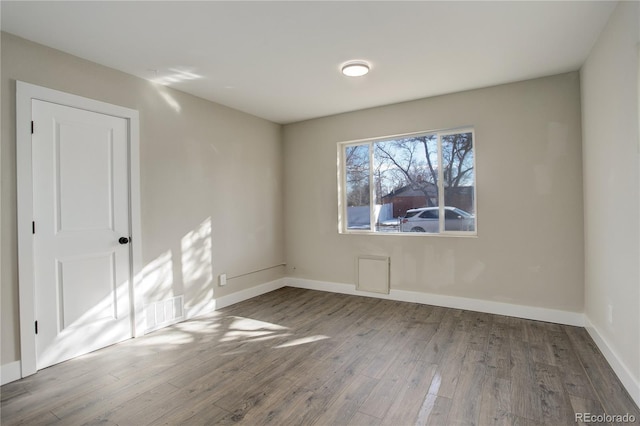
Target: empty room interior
{"x":320,"y":213}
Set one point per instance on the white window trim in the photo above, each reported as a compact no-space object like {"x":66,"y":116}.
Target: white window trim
{"x":25,"y":93}
{"x":342,"y":193}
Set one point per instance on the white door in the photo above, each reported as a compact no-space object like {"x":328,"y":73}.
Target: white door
{"x":81,"y":231}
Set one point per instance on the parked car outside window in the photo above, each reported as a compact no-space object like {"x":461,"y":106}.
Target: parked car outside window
{"x":425,"y":219}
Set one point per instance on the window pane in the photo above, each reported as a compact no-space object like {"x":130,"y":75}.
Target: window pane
{"x":357,"y":170}
{"x":458,"y":182}
{"x":406,"y":178}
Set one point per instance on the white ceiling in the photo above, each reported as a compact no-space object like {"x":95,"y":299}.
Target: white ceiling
{"x":281,"y":60}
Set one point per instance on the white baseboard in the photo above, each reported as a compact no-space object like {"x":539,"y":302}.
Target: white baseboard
{"x":233,"y":298}
{"x":201,"y":308}
{"x":624,"y":374}
{"x":208,"y":306}
{"x":242,"y":295}
{"x":10,"y":372}
{"x":487,"y":306}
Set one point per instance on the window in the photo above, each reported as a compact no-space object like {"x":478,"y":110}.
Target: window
{"x":406,"y":184}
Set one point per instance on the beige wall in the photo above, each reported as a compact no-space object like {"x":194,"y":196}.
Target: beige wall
{"x":211,"y":182}
{"x":529,"y":249}
{"x":611,"y":185}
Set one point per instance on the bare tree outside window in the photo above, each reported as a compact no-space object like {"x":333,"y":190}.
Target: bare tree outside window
{"x":357,"y":182}
{"x":458,"y":174}
{"x":457,"y":159}
{"x":409,"y":162}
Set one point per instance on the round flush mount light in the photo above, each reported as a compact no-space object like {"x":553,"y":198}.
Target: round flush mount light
{"x":355,"y":68}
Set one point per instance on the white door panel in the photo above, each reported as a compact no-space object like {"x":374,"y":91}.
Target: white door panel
{"x":84,"y":163}
{"x":80,"y":304}
{"x":80,"y":201}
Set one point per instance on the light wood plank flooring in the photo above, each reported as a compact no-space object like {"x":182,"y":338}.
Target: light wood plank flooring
{"x":300,"y":357}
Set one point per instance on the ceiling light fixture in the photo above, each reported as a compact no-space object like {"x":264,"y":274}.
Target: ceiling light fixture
{"x":355,"y":68}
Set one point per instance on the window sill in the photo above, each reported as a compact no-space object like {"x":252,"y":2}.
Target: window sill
{"x":413,"y":234}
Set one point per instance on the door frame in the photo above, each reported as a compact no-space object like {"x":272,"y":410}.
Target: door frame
{"x":25,"y":93}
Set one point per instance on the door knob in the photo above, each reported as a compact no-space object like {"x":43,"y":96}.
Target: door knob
{"x":123,"y":240}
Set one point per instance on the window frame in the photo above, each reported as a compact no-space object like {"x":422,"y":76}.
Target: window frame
{"x":342,"y":184}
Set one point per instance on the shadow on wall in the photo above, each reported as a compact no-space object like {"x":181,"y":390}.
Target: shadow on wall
{"x":158,"y":287}
{"x":192,"y":265}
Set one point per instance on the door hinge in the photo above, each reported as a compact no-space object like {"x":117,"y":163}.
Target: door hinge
{"x":32,"y":127}
{"x":33,"y":227}
{"x":36,"y":327}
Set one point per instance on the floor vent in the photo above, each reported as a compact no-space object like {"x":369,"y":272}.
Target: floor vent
{"x":165,"y":312}
{"x":373,"y":274}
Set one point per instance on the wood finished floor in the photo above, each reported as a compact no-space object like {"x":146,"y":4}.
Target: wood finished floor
{"x":300,"y":357}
